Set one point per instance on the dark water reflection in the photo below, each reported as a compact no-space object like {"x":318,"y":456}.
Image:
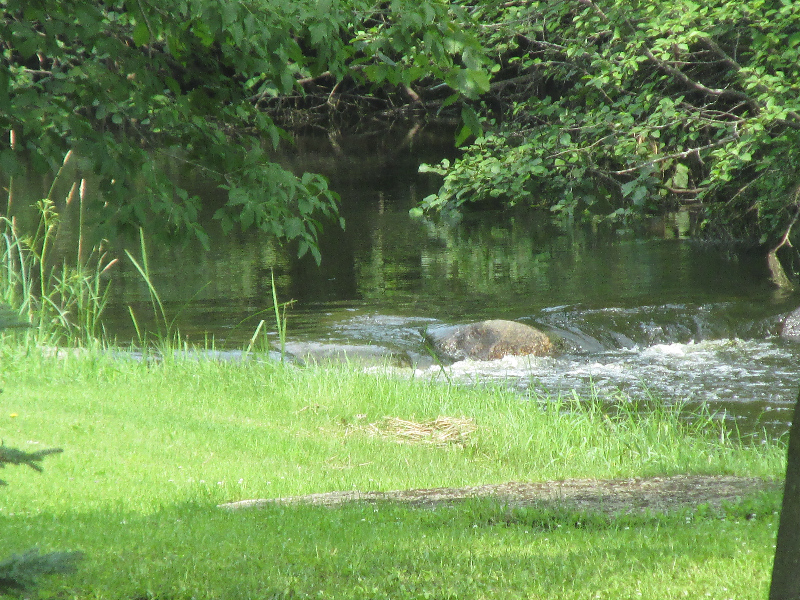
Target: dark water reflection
{"x":643,"y":312}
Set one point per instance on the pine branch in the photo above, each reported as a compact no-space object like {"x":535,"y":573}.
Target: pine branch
{"x":18,"y":573}
{"x":20,"y":457}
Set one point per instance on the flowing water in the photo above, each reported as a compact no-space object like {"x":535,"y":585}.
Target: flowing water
{"x":648,"y":313}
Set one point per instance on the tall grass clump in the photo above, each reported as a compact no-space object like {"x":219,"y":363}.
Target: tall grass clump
{"x":62,"y":296}
{"x":279,"y":317}
{"x":165,"y":333}
{"x":612,"y":434}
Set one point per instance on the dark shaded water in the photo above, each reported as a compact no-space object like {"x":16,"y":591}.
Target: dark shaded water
{"x":645,"y":312}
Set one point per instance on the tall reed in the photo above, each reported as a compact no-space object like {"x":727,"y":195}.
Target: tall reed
{"x":164,"y":326}
{"x":62,"y":297}
{"x":280,"y":315}
{"x":279,"y":311}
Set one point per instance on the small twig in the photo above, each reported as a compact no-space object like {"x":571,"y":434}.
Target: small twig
{"x":712,"y":45}
{"x":582,"y":148}
{"x":330,"y":101}
{"x":684,"y":191}
{"x":306,"y":80}
{"x":778,"y":273}
{"x":785,"y":238}
{"x":683,"y":154}
{"x":685,"y":79}
{"x":596,"y":9}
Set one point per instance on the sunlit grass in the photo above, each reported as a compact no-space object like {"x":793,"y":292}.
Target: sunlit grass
{"x":230,"y":431}
{"x":150,"y":449}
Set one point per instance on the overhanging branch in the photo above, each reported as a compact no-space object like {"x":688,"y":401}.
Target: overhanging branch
{"x":683,"y":154}
{"x":779,"y":277}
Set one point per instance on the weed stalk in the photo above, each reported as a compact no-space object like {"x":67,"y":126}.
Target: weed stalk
{"x":280,"y":315}
{"x":63,"y":302}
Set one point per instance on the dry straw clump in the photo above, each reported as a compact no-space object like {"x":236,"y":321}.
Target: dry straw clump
{"x":439,"y":432}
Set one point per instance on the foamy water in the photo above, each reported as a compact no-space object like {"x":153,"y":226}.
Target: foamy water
{"x":752,"y":381}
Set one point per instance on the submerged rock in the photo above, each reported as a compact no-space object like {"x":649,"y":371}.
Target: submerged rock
{"x":489,"y":340}
{"x":362,"y":355}
{"x":790,"y":328}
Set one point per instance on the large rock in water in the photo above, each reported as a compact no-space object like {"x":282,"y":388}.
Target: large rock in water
{"x":488,"y":340}
{"x":790,"y":328}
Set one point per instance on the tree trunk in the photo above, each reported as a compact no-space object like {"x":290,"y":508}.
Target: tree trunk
{"x":786,"y":568}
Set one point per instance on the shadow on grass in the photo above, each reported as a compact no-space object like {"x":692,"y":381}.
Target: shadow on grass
{"x":471,"y":549}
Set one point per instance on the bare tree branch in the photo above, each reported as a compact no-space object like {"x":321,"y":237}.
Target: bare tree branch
{"x":779,"y":277}
{"x":714,"y":47}
{"x":696,"y":85}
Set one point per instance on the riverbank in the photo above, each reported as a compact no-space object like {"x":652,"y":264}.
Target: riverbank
{"x":152,"y":449}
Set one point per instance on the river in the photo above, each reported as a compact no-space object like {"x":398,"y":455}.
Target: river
{"x":646,"y":312}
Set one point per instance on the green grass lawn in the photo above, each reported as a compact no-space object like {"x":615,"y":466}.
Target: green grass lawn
{"x":151,"y":449}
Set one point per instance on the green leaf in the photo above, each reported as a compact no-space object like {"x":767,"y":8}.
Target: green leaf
{"x":386,"y":59}
{"x":471,"y":120}
{"x":141,"y":34}
{"x":639,"y":195}
{"x":237,"y":197}
{"x":462,"y":135}
{"x":302,"y":249}
{"x":316,"y":254}
{"x":627,"y":188}
{"x":294,"y":228}
{"x":681,"y":178}
{"x":450,"y":100}
{"x":318,"y":32}
{"x":247,"y":217}
{"x":480,"y":79}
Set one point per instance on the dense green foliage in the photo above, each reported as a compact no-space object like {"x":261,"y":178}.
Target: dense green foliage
{"x":138,"y":89}
{"x":602,"y":109}
{"x":619,"y":108}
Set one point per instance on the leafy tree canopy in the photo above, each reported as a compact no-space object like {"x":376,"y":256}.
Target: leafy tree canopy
{"x":132,"y":86}
{"x":597,"y":108}
{"x":619,"y":108}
